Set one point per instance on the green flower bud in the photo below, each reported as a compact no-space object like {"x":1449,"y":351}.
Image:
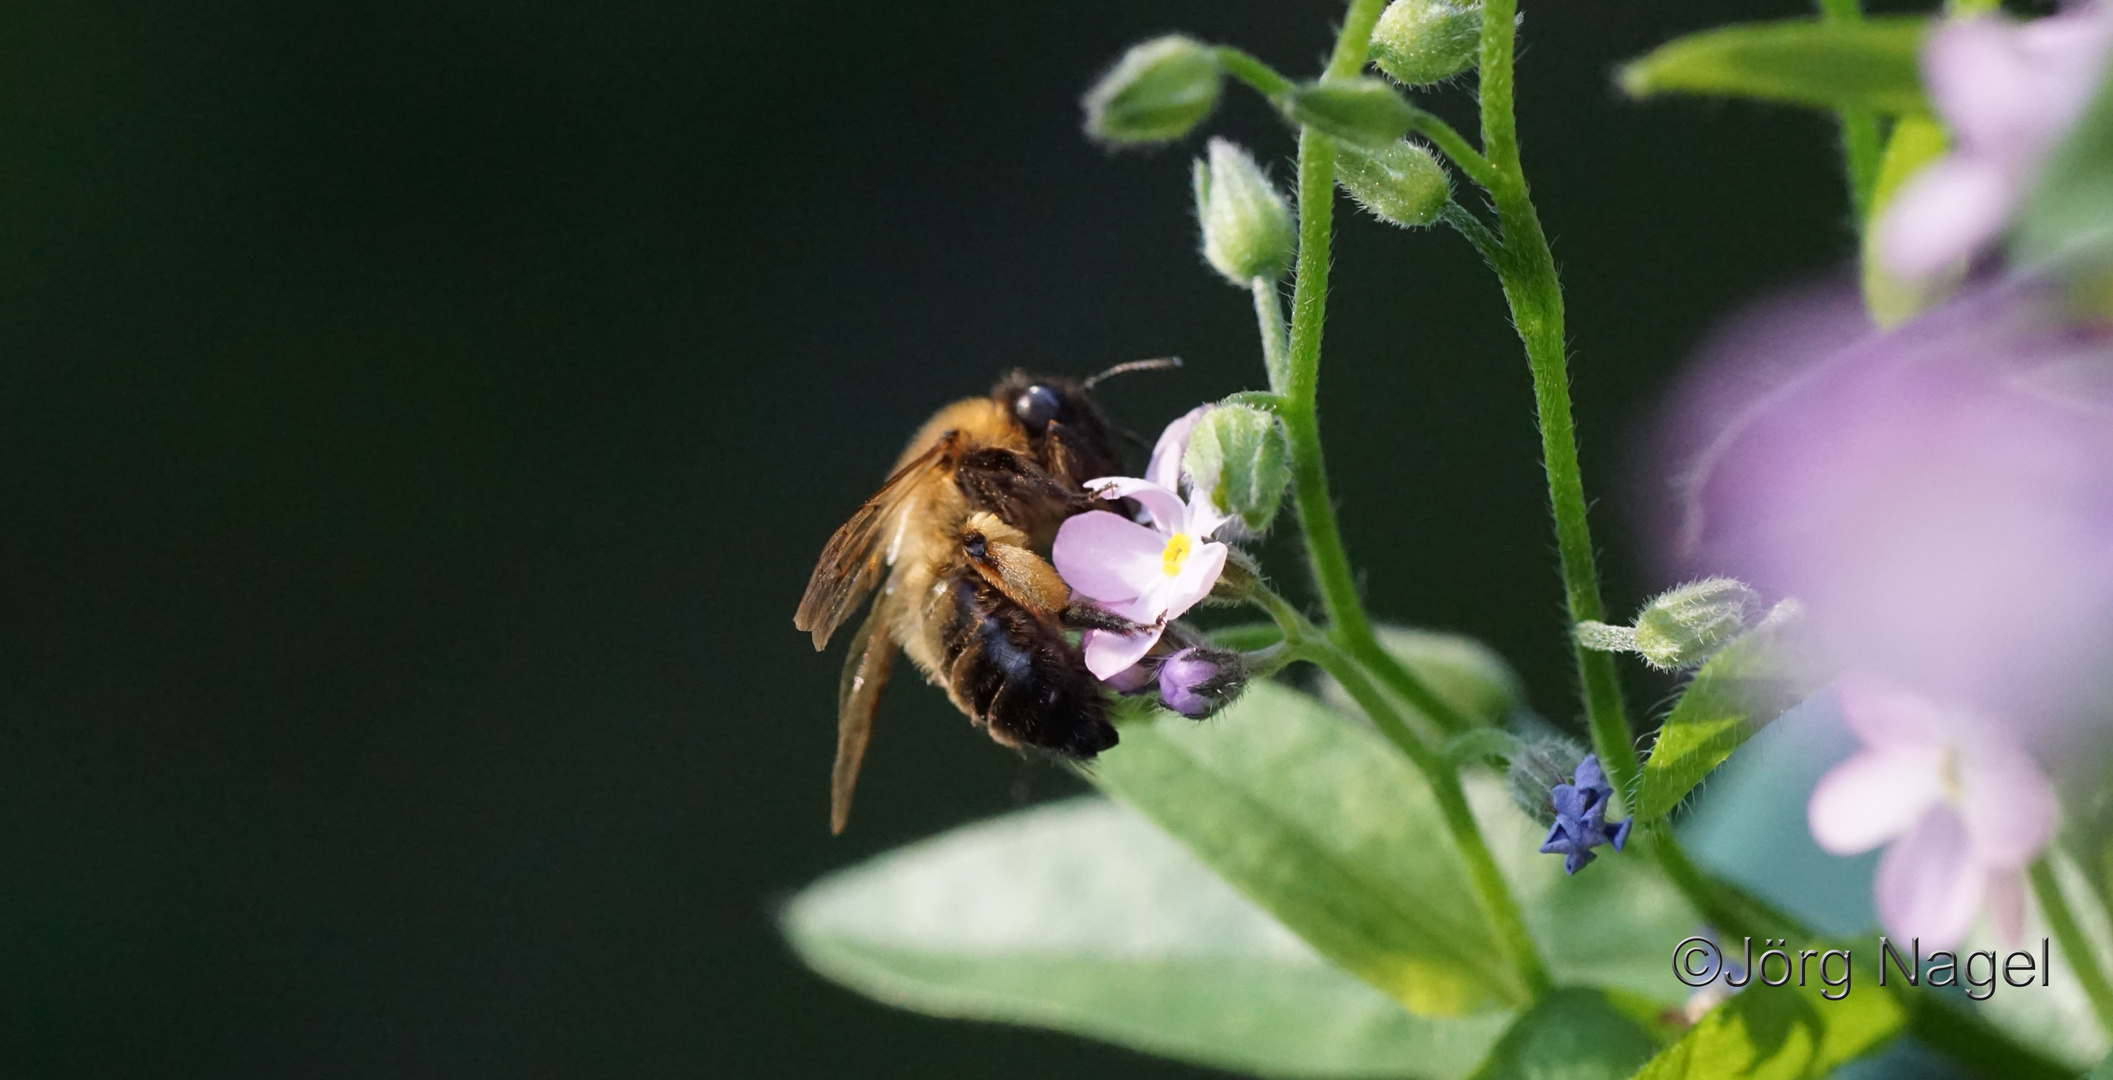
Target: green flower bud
{"x":1421,"y":42}
{"x":1361,"y":111}
{"x":1402,"y":184}
{"x":1536,"y":767}
{"x":1681,"y":627}
{"x":1157,"y":92}
{"x":1238,"y":455}
{"x":1247,"y":228}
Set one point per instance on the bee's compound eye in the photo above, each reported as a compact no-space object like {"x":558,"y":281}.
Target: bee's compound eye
{"x":1037,"y":406}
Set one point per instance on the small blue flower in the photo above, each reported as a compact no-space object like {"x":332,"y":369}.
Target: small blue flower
{"x":1581,"y":817}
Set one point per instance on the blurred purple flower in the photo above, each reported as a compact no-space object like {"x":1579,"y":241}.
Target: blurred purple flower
{"x":1940,"y":496}
{"x":1963,"y":810}
{"x":2008,"y":92}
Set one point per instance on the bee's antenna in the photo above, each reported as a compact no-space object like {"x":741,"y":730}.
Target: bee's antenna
{"x":1157,"y":363}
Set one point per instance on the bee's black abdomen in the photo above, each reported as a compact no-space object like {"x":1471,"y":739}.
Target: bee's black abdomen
{"x":1022,"y":677}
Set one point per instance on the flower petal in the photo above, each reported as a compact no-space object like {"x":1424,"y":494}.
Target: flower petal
{"x":2009,"y":805}
{"x":1106,"y":556}
{"x":1194,"y":582}
{"x":1173,"y":445}
{"x":1929,"y":885}
{"x":1883,"y":715}
{"x":1875,"y":796}
{"x":1943,"y":216}
{"x":1108,"y":652}
{"x":2006,"y":904}
{"x":1165,"y":507}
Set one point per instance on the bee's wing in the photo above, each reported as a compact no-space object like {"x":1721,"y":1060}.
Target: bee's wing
{"x":865,"y":676}
{"x":850,"y":564}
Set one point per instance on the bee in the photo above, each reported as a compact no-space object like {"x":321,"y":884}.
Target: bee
{"x":950,"y":543}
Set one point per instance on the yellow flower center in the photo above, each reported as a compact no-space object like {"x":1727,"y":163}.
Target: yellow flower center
{"x":1948,"y":777}
{"x":1176,"y":553}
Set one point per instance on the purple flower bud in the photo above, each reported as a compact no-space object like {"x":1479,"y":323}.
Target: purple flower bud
{"x":1197,"y":682}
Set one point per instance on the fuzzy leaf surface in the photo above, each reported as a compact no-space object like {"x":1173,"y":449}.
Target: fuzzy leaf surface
{"x":1752,"y":681}
{"x":1083,"y":917}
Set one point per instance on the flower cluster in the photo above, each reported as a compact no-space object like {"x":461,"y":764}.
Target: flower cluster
{"x":1961,"y":808}
{"x":1149,"y":572}
{"x":2008,"y":92}
{"x":1581,"y":817}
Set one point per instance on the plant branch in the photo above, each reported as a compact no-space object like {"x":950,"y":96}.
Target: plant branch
{"x":1453,"y":145}
{"x":1269,"y":319}
{"x":1246,"y":67}
{"x":1536,"y":298}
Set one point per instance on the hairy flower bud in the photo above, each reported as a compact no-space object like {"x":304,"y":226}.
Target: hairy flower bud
{"x":1537,"y":766}
{"x":1681,"y":627}
{"x":1237,"y":453}
{"x":1402,"y":184}
{"x":1199,"y":681}
{"x":1425,"y":41}
{"x":1247,"y":227}
{"x":1157,"y":92}
{"x":1361,"y":111}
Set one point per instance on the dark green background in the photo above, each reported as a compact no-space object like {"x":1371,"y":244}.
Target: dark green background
{"x":417,"y":422}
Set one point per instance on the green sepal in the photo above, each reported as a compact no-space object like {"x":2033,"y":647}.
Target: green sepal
{"x":1361,"y":111}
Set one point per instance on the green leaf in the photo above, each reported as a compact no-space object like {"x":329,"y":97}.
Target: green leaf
{"x":1572,"y":1034}
{"x":1869,"y":64}
{"x":1786,"y":1033}
{"x":1321,"y":822}
{"x":2103,"y":1072}
{"x":1751,"y":682}
{"x":2070,"y":213}
{"x":1327,"y":827}
{"x":1083,"y":917}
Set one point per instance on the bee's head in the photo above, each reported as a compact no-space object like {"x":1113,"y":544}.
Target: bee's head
{"x":1037,"y":401}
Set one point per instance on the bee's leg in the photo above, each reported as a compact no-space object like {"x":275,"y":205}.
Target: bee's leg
{"x":1085,"y":615}
{"x":1013,"y":487}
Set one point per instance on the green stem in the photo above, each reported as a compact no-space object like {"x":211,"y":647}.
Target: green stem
{"x":1269,"y":319}
{"x":1502,"y":911}
{"x":1863,"y":147}
{"x":1247,"y":68}
{"x":1527,"y":271}
{"x":2076,"y":948}
{"x":1450,"y":143}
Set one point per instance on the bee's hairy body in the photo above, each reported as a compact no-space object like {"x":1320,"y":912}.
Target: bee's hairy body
{"x":950,"y":545}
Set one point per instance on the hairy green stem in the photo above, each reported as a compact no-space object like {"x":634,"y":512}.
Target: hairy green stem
{"x":1269,"y":319}
{"x":2076,"y":948}
{"x":1527,"y":271}
{"x":1498,"y":906}
{"x":1450,"y":143}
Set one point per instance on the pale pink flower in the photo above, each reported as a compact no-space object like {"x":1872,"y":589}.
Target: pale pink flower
{"x":2009,"y":92}
{"x":1146,"y":573}
{"x":1963,"y":810}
